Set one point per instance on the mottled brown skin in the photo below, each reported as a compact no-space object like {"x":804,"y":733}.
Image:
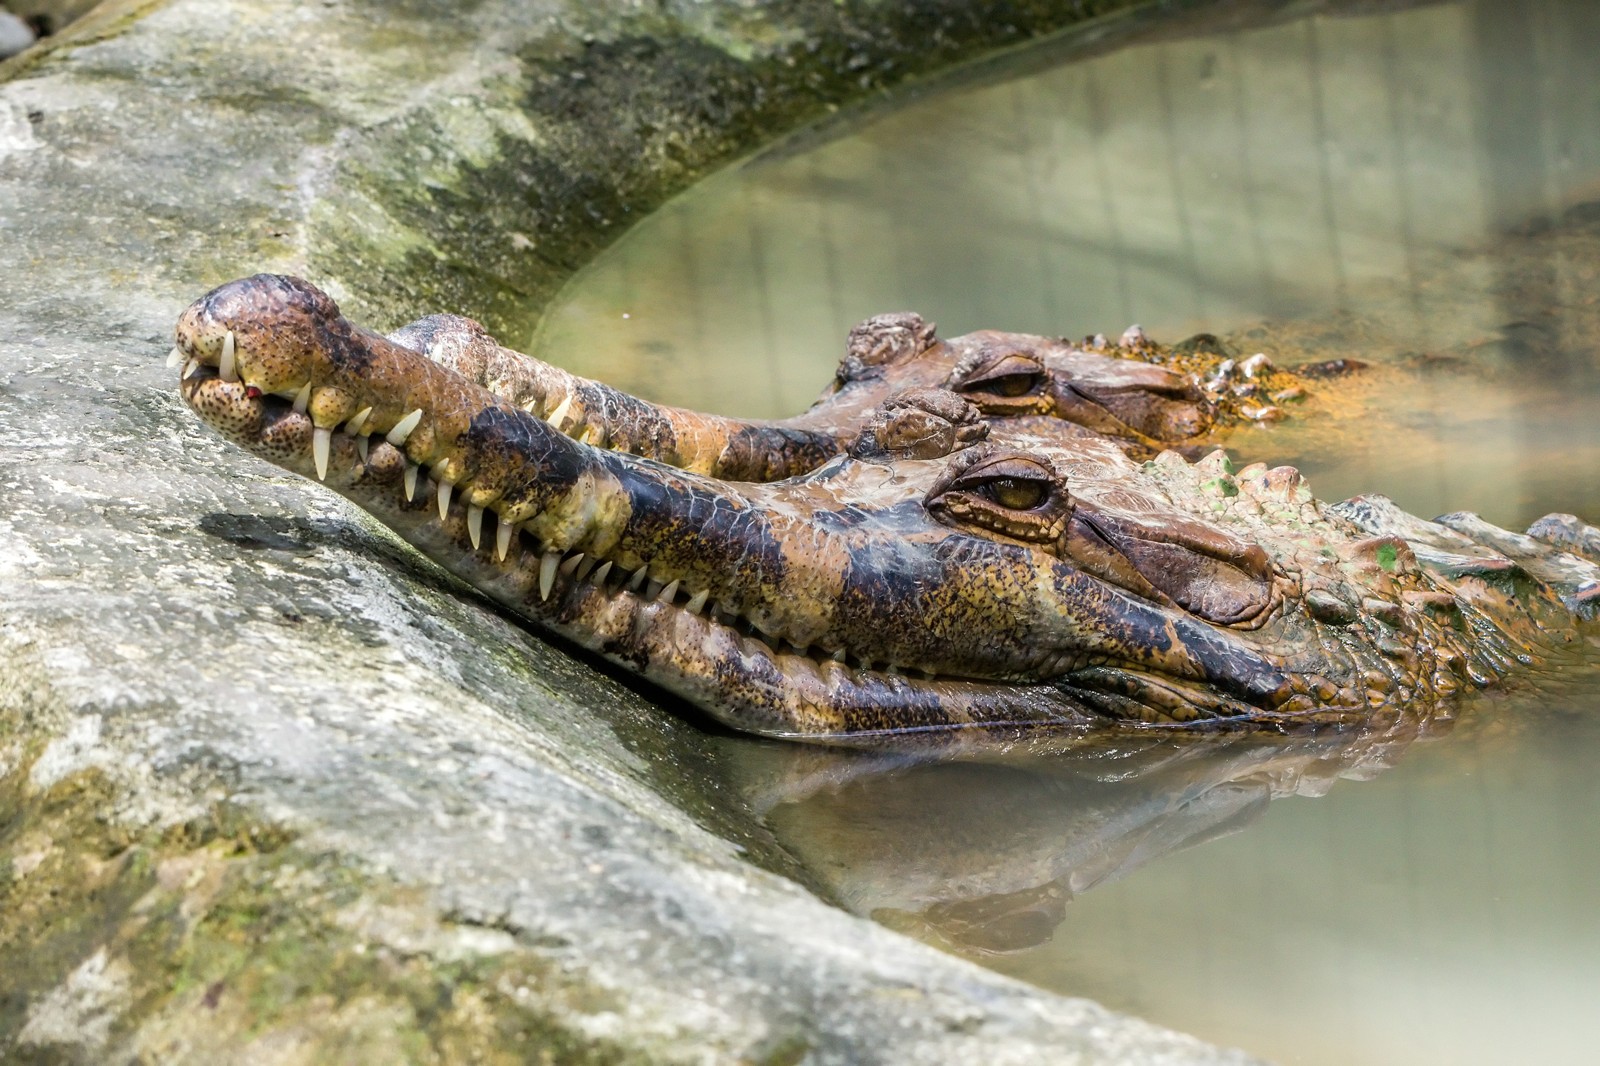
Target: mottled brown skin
{"x":1025,"y":586}
{"x":595,"y":413}
{"x":1048,"y":385}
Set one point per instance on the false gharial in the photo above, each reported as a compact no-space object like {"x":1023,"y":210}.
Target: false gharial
{"x":941,"y":569}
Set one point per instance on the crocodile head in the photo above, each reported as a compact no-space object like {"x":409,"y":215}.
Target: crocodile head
{"x":1024,"y":377}
{"x":927,"y":581}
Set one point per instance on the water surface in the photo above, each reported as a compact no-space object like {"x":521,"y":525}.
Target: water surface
{"x":1414,"y":186}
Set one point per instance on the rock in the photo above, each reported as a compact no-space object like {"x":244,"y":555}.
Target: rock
{"x":15,"y":35}
{"x":272,"y":787}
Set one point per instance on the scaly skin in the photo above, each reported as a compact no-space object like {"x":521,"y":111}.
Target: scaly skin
{"x":1115,"y":391}
{"x":1036,"y":586}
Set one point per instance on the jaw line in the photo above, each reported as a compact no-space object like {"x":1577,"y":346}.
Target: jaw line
{"x":704,"y":659}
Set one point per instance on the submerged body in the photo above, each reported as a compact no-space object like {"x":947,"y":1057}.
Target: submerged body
{"x":943,"y":573}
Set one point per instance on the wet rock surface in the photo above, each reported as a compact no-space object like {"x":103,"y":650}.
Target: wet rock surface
{"x":15,"y":34}
{"x":272,"y":788}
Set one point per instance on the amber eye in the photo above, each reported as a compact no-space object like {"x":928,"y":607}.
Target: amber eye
{"x":1009,"y":377}
{"x":1013,"y":494}
{"x":1010,"y":385}
{"x":1017,"y":494}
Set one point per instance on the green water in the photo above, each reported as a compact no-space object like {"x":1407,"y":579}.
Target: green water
{"x":1412,"y":186}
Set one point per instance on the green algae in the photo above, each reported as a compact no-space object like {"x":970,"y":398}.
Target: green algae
{"x":612,"y":116}
{"x":230,"y":933}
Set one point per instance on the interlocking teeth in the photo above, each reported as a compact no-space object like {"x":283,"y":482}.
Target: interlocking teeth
{"x":321,"y":442}
{"x":502,"y":538}
{"x":228,"y":364}
{"x":555,"y":417}
{"x":547,"y":573}
{"x":585,"y":566}
{"x":302,"y":399}
{"x":411,"y":481}
{"x":570,"y":564}
{"x":604,"y":572}
{"x":362,"y":444}
{"x":402,"y":429}
{"x":190,"y":369}
{"x":357,"y":421}
{"x":174,"y":357}
{"x":698,"y":602}
{"x":668,"y":591}
{"x":475,"y":525}
{"x":652,"y":588}
{"x":636,"y":582}
{"x":444,"y":498}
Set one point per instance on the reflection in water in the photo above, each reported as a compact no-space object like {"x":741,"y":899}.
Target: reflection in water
{"x":1441,"y":911}
{"x":986,"y":855}
{"x":1408,"y":184}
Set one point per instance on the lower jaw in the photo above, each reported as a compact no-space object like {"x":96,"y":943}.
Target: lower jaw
{"x":736,"y":677}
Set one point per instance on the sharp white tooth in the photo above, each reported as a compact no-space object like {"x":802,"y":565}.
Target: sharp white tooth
{"x":174,"y":357}
{"x":228,"y":365}
{"x":547,"y":573}
{"x":411,"y":481}
{"x":302,"y":399}
{"x":697,"y":603}
{"x":361,"y":448}
{"x":321,"y":441}
{"x":189,"y":369}
{"x":444,"y":498}
{"x":587,"y":565}
{"x":652,"y":588}
{"x":668,"y":591}
{"x":402,"y":429}
{"x":604,"y":572}
{"x":555,"y":417}
{"x":595,"y":436}
{"x":570,"y":564}
{"x":502,"y":537}
{"x":358,"y":420}
{"x":838,"y":656}
{"x":637,"y":581}
{"x":475,"y":525}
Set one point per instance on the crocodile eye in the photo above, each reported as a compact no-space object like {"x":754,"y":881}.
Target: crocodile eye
{"x":1016,"y":494}
{"x":1009,"y":493}
{"x":1006,"y":384}
{"x":1012,"y":385}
